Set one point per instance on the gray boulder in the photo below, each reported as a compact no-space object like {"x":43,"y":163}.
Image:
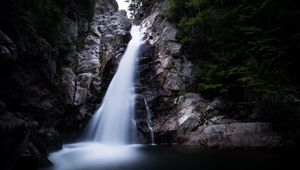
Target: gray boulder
{"x":235,"y":135}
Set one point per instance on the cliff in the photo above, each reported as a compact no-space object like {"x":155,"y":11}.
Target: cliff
{"x":56,"y":60}
{"x":180,"y":113}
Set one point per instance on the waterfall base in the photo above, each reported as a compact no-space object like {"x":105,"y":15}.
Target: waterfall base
{"x":82,"y":156}
{"x":92,"y":156}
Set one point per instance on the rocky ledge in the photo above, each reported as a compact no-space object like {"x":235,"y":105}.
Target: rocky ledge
{"x":178,"y":117}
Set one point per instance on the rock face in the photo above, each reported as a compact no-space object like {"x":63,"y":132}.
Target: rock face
{"x":52,"y":78}
{"x":235,"y":135}
{"x":165,"y":75}
{"x":105,"y":43}
{"x":92,"y":66}
{"x":161,"y":74}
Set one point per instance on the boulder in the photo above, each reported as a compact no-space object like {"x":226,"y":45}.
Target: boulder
{"x":191,"y":104}
{"x":185,"y":118}
{"x":235,"y":135}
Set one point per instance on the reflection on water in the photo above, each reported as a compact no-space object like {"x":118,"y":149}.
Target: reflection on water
{"x":92,"y":156}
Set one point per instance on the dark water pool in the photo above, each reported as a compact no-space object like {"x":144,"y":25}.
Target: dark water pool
{"x":173,"y":158}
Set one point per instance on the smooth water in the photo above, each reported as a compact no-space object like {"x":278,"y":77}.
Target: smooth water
{"x":149,"y":122}
{"x":143,"y":157}
{"x":113,"y":126}
{"x":114,"y":123}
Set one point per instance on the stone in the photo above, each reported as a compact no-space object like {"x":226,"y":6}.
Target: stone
{"x":162,"y":74}
{"x":96,"y":83}
{"x":217,"y":103}
{"x":80,"y":96}
{"x":173,"y":48}
{"x":235,"y":135}
{"x":123,"y":20}
{"x":190,"y":109}
{"x":8,"y":50}
{"x":85,"y":80}
{"x":68,"y":82}
{"x":173,"y":82}
{"x":220,"y":120}
{"x":92,"y":65}
{"x":190,"y":124}
{"x":185,"y":118}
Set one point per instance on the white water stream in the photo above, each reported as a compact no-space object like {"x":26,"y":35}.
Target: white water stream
{"x":112,"y":127}
{"x":114,"y":122}
{"x":149,"y":122}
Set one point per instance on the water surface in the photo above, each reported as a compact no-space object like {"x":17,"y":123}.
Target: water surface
{"x":141,"y":157}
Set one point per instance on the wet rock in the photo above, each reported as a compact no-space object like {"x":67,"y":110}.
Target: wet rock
{"x":235,"y":135}
{"x":162,"y":72}
{"x":144,"y":133}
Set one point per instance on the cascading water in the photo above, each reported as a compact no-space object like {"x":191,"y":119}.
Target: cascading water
{"x":113,"y":123}
{"x":112,"y":126}
{"x":149,"y":122}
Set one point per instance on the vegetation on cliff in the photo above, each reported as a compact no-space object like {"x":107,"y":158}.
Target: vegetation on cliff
{"x":45,"y":16}
{"x":134,"y":6}
{"x":243,"y":49}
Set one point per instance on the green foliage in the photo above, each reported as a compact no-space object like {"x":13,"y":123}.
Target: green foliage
{"x":182,"y":93}
{"x":43,"y":15}
{"x":134,"y":6}
{"x":245,"y":49}
{"x":46,"y":16}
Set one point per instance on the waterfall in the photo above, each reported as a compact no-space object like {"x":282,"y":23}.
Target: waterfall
{"x":113,"y":123}
{"x":149,"y":122}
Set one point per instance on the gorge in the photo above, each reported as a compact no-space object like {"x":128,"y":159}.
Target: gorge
{"x":207,"y":81}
